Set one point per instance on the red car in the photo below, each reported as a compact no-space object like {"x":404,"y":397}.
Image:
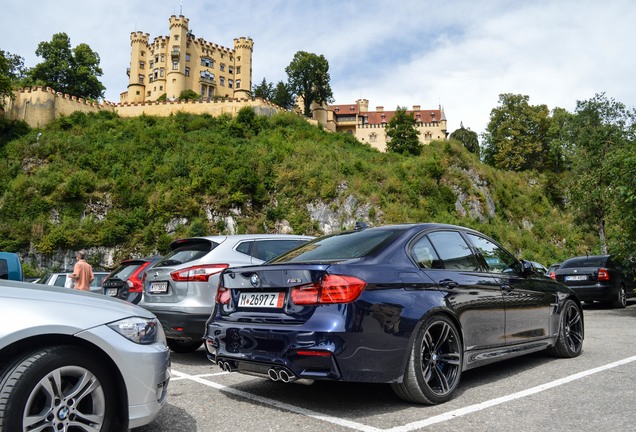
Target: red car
{"x":126,"y":281}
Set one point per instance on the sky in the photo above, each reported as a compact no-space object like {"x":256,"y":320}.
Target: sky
{"x":458,"y":54}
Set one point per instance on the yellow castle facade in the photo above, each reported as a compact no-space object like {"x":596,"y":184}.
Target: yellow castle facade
{"x":172,"y":64}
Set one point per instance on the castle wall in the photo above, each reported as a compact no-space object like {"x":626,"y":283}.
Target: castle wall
{"x":38,"y":106}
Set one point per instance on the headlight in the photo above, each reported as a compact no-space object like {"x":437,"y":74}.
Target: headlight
{"x":139,"y":330}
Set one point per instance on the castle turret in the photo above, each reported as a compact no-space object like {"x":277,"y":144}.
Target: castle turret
{"x":243,"y":48}
{"x":363,"y":105}
{"x":138,"y":66}
{"x":176,"y":64}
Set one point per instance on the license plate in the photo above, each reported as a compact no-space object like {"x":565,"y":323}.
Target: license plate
{"x":576,"y":278}
{"x":112,"y":292}
{"x":158,"y":287}
{"x":261,"y":300}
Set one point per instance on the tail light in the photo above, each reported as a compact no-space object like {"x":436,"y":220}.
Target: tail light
{"x":200,"y":273}
{"x":135,"y":284}
{"x":332,"y":289}
{"x":603,"y":274}
{"x":223,"y":295}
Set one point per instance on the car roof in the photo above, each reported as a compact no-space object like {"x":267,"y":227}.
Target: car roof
{"x":236,"y":237}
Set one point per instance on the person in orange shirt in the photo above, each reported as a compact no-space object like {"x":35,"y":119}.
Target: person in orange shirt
{"x":82,"y":272}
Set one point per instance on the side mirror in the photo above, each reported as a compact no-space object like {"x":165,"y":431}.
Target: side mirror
{"x":527,"y":268}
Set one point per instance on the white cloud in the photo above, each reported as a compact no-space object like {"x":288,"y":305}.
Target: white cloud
{"x":459,"y":54}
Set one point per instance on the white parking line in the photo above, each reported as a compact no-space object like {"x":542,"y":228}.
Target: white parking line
{"x":410,"y":426}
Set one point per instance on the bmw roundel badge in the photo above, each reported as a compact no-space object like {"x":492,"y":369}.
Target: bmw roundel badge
{"x":254,"y":280}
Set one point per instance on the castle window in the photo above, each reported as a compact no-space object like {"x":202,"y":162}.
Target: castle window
{"x":238,"y":83}
{"x":156,"y":73}
{"x":142,"y":65}
{"x":238,"y":58}
{"x":187,"y":71}
{"x":238,"y":70}
{"x":141,"y":79}
{"x":160,"y":88}
{"x":231,"y":58}
{"x":161,"y":72}
{"x":143,"y":53}
{"x":137,"y":92}
{"x":150,"y":78}
{"x":187,"y":57}
{"x":222,"y":67}
{"x":148,"y":93}
{"x":230,"y":83}
{"x":157,"y":59}
{"x":373,"y":137}
{"x":152,"y":63}
{"x":222,"y":81}
{"x":176,"y":37}
{"x":163,"y":58}
{"x":207,"y":62}
{"x":175,"y":65}
{"x":230,"y":69}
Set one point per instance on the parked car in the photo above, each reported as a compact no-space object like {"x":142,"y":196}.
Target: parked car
{"x":126,"y":281}
{"x":552,"y":269}
{"x":410,"y":305}
{"x":59,"y":279}
{"x":10,"y":266}
{"x":180,"y":289}
{"x":597,"y":278}
{"x":70,"y":360}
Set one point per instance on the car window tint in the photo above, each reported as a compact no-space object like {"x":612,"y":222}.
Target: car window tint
{"x":245,"y":247}
{"x":425,"y":255}
{"x":4,"y":269}
{"x":453,"y":251}
{"x":186,"y":253}
{"x":267,"y":249}
{"x":497,"y":259}
{"x":59,"y":281}
{"x":348,"y":245}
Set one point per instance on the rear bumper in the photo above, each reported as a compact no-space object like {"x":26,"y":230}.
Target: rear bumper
{"x":598,"y":292}
{"x":181,"y":325}
{"x":306,"y":353}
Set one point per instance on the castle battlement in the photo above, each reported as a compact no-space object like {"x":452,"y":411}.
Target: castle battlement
{"x":179,"y":21}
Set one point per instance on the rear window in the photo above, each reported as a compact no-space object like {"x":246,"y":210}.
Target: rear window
{"x":187,"y":252}
{"x":342,"y":246}
{"x":124,"y":271}
{"x":584,"y":262}
{"x":4,"y":269}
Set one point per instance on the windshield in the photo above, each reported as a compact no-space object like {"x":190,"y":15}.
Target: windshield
{"x":342,"y":246}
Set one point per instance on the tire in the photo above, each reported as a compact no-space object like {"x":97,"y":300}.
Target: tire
{"x":621,"y":298}
{"x":570,"y":340}
{"x":184,"y":346}
{"x":57,"y":388}
{"x":434,"y":365}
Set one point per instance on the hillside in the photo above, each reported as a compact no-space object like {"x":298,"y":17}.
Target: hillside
{"x":128,"y":186}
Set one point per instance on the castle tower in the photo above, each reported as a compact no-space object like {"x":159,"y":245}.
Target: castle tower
{"x":363,"y":105}
{"x":176,"y":62}
{"x":243,"y":48}
{"x":138,"y":66}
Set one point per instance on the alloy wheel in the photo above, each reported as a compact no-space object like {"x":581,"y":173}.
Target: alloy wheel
{"x":441,"y":356}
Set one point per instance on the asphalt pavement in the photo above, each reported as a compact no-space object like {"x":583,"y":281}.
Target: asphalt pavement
{"x":593,"y":392}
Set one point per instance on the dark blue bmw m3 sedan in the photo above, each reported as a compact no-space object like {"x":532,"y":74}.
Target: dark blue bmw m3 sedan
{"x":410,"y":305}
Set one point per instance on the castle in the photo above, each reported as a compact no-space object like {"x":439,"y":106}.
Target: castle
{"x":171,"y":64}
{"x":368,"y":126}
{"x":223,"y":79}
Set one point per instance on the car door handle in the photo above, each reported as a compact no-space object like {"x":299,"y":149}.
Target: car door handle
{"x":448,"y":283}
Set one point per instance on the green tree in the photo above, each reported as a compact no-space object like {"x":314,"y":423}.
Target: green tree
{"x":309,"y":78}
{"x":189,"y":95}
{"x":263,"y":90}
{"x":403,"y":137}
{"x":6,"y":87}
{"x":72,"y":71}
{"x":283,"y":96}
{"x":467,"y":137}
{"x":603,"y":168}
{"x":516,"y":135}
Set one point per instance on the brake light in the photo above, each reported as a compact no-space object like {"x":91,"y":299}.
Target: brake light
{"x":200,"y":273}
{"x":332,"y":289}
{"x":223,"y":295}
{"x":603,"y":274}
{"x":134,"y":283}
{"x":314,"y":353}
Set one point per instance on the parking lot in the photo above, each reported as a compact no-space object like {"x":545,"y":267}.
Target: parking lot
{"x":596,"y":391}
